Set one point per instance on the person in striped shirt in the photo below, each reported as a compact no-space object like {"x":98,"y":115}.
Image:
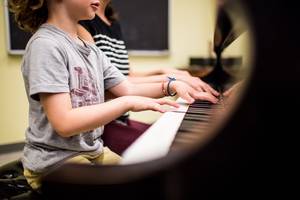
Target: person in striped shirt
{"x":105,"y":31}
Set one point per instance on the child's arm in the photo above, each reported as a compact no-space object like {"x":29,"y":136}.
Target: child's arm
{"x":68,"y":121}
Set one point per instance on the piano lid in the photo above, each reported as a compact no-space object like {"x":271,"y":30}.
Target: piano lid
{"x":229,"y":26}
{"x":227,"y":30}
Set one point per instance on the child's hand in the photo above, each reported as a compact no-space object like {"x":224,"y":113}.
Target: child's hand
{"x":138,"y":103}
{"x":190,"y":94}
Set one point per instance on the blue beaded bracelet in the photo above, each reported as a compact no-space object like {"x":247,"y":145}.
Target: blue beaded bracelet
{"x":168,"y":86}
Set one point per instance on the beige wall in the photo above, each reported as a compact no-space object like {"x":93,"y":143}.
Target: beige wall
{"x":13,"y":102}
{"x":191,"y":30}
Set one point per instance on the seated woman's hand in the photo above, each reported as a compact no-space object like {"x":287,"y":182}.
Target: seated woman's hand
{"x":197,"y":84}
{"x":190,"y":94}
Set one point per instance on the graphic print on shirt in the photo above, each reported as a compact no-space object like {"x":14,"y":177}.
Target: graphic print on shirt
{"x":84,"y":92}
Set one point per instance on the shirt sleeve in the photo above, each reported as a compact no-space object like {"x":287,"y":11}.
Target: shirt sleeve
{"x":46,"y":68}
{"x":112,"y":76}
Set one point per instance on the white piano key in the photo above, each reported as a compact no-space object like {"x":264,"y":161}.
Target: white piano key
{"x":156,"y":141}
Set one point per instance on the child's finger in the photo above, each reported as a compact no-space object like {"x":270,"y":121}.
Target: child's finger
{"x":168,"y":102}
{"x":157,"y":107}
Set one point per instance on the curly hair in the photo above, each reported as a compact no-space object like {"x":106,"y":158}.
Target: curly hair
{"x":29,"y":14}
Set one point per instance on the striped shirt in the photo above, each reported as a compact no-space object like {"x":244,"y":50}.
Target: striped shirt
{"x":110,"y":40}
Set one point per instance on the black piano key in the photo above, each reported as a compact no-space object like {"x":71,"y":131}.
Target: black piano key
{"x":192,"y":126}
{"x":197,"y":119}
{"x":187,"y":124}
{"x":193,"y":130}
{"x":197,"y":101}
{"x":200,"y":106}
{"x":198,"y":112}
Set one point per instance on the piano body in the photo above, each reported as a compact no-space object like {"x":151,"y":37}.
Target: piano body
{"x":239,"y":160}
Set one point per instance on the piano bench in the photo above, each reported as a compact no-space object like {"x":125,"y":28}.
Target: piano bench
{"x":13,"y":184}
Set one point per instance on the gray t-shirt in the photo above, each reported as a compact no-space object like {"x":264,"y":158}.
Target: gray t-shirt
{"x":54,"y":63}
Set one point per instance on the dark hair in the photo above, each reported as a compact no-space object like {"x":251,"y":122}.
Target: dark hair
{"x":29,"y":14}
{"x":110,"y":13}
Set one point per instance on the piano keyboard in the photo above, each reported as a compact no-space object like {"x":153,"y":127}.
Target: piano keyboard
{"x":197,"y":120}
{"x":173,"y":131}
